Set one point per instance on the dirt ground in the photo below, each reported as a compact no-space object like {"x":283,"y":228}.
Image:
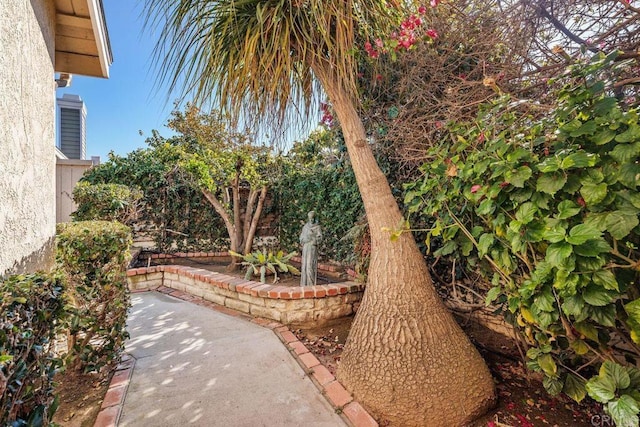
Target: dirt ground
{"x":80,"y":397}
{"x":522,"y":401}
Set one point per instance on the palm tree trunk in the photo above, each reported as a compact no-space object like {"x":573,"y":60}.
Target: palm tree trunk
{"x":406,"y":359}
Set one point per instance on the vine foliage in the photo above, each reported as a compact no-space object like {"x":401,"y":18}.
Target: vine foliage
{"x":546,"y":205}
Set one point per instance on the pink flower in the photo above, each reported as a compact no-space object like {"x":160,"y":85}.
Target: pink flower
{"x":379,"y":43}
{"x":422,"y":10}
{"x":475,"y":188}
{"x":491,"y":424}
{"x":432,"y":33}
{"x":434,"y":3}
{"x":367,"y":46}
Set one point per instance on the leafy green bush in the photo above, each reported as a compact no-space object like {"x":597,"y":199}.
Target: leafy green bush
{"x":106,"y":202}
{"x":326,"y":185}
{"x":172,"y":210}
{"x":547,"y":207}
{"x":31,"y":313}
{"x":94,"y":255}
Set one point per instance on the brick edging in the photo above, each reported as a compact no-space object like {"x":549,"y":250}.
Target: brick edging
{"x":252,"y":288}
{"x":113,"y":400}
{"x":340,"y":399}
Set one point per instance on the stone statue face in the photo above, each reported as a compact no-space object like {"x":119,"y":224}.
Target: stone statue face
{"x":311,"y":215}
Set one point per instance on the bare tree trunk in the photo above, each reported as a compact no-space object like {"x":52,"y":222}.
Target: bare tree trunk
{"x":229,"y":224}
{"x":406,"y":359}
{"x":255,"y":220}
{"x":248,"y":219}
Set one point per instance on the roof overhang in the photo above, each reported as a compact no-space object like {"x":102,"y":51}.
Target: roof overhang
{"x":82,"y":39}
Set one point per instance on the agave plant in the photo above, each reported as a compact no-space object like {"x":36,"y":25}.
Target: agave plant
{"x":261,"y":262}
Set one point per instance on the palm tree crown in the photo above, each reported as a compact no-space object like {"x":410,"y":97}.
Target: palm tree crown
{"x":256,"y":57}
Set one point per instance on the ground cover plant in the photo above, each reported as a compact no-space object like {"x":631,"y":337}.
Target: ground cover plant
{"x":31,"y":315}
{"x":547,"y":207}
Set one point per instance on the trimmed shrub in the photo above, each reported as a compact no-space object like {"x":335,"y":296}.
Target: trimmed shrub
{"x":31,"y":311}
{"x":94,"y":255}
{"x":107,"y":202}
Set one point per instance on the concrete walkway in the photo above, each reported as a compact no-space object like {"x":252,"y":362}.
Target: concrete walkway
{"x":195,"y":366}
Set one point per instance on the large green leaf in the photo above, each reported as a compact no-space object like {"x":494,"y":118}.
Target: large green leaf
{"x":567,"y":209}
{"x":557,"y":253}
{"x":593,"y":193}
{"x":551,"y":183}
{"x":624,"y":411}
{"x":620,"y":223}
{"x":606,"y":279}
{"x":580,"y":233}
{"x":592,"y":248}
{"x":574,"y":387}
{"x":486,"y":207}
{"x":517,"y":177}
{"x":604,"y":136}
{"x":616,"y":372}
{"x":630,"y":135}
{"x":596,"y":295}
{"x":625,"y":152}
{"x":580,"y":159}
{"x":552,"y":385}
{"x":484,"y":243}
{"x":573,"y":305}
{"x":548,"y":365}
{"x":526,"y":212}
{"x":601,"y":389}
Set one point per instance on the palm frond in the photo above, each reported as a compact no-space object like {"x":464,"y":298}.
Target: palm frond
{"x":253,"y":59}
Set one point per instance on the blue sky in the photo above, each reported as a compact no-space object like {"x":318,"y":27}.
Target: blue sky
{"x":129,"y":101}
{"x":119,"y":107}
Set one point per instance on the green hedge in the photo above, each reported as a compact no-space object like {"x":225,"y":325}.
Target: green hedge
{"x":178,"y":215}
{"x":107,"y":202}
{"x":331,"y":192}
{"x":31,"y":314}
{"x":94,"y":255}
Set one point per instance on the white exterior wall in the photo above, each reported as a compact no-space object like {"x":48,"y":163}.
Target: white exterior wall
{"x":27,"y":140}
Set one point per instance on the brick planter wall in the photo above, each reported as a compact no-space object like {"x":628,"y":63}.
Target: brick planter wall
{"x":286,"y":304}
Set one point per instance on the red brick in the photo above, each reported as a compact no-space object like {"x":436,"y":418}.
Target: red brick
{"x":132,"y":272}
{"x":358,"y":416}
{"x":342,"y":289}
{"x":309,"y":360}
{"x":308,"y":292}
{"x":319,"y":291}
{"x":285,"y":293}
{"x":282,"y":328}
{"x":332,"y":290}
{"x":260,"y":290}
{"x":322,"y":375}
{"x":337,"y":394}
{"x":107,"y":417}
{"x":120,"y":378}
{"x":297,"y":292}
{"x":288,"y":337}
{"x":298,"y":347}
{"x":114,"y":396}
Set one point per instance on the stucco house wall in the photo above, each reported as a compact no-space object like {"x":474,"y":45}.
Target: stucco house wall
{"x":37,"y":39}
{"x":27,"y":160}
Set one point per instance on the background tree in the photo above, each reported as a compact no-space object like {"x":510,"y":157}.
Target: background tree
{"x":230,"y":171}
{"x":406,"y":358}
{"x":173,"y":212}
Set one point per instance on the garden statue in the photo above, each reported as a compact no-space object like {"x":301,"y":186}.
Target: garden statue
{"x":310,"y":237}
